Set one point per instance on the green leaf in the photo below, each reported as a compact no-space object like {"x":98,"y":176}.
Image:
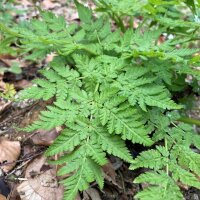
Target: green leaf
{"x":152,"y":159}
{"x":85,"y":14}
{"x":163,"y":187}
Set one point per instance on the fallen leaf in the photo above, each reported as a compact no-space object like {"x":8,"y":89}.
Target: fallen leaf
{"x":22,"y":84}
{"x":2,"y":84}
{"x":41,"y":182}
{"x":49,"y":57}
{"x":35,"y":166}
{"x":24,"y":2}
{"x":6,"y":60}
{"x":4,"y":104}
{"x":26,"y":192}
{"x":110,"y":174}
{"x":78,"y":197}
{"x":110,"y":171}
{"x":6,"y":56}
{"x":161,"y":39}
{"x":183,"y":186}
{"x":48,"y":4}
{"x":9,"y":153}
{"x":14,"y":195}
{"x":2,"y":197}
{"x":92,"y":194}
{"x":44,"y":137}
{"x":110,"y":193}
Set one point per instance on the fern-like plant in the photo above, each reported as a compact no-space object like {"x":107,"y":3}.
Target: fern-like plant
{"x":112,"y":86}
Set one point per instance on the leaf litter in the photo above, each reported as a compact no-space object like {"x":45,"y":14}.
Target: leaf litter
{"x":41,"y":183}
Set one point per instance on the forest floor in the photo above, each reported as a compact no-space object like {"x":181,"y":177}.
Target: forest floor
{"x":24,"y":171}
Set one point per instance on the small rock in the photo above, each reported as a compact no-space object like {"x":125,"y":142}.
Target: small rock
{"x":195,"y":197}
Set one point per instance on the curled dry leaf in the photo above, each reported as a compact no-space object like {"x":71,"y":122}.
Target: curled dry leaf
{"x":9,"y":153}
{"x":4,"y":104}
{"x":41,"y":182}
{"x":2,"y":84}
{"x":44,"y":137}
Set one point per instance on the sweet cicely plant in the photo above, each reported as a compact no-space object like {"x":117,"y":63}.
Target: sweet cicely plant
{"x":113,"y":85}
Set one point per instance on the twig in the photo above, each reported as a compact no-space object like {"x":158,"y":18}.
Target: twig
{"x":26,"y":161}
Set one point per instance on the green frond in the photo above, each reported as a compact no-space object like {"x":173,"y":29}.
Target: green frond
{"x":196,"y":140}
{"x":35,"y":92}
{"x":154,"y":95}
{"x":84,"y":163}
{"x":186,"y":177}
{"x":128,"y":123}
{"x":127,"y":7}
{"x":187,"y":158}
{"x":112,"y":144}
{"x":140,"y":87}
{"x":176,"y":22}
{"x":163,"y":187}
{"x":108,"y":86}
{"x":152,"y":159}
{"x":79,"y":181}
{"x":96,"y":153}
{"x":153,"y":178}
{"x":49,"y":119}
{"x":66,"y":141}
{"x":85,"y":14}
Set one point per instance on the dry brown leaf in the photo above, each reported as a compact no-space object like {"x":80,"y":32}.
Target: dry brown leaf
{"x":49,"y":57}
{"x":161,"y":39}
{"x":26,"y":192}
{"x":25,"y":3}
{"x":2,"y":197}
{"x":6,"y":56}
{"x":110,"y":171}
{"x":44,"y":137}
{"x":2,"y":84}
{"x":41,"y":182}
{"x":28,"y":150}
{"x":41,"y":187}
{"x":92,"y":194}
{"x":22,"y":84}
{"x":4,"y":104}
{"x":49,"y":4}
{"x":110,"y":174}
{"x":13,"y":195}
{"x":6,"y":61}
{"x":35,"y":166}
{"x":78,"y":197}
{"x":9,"y":153}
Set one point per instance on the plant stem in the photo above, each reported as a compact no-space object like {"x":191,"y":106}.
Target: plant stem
{"x":119,"y":22}
{"x":131,"y":22}
{"x":166,"y":147}
{"x":189,"y":120}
